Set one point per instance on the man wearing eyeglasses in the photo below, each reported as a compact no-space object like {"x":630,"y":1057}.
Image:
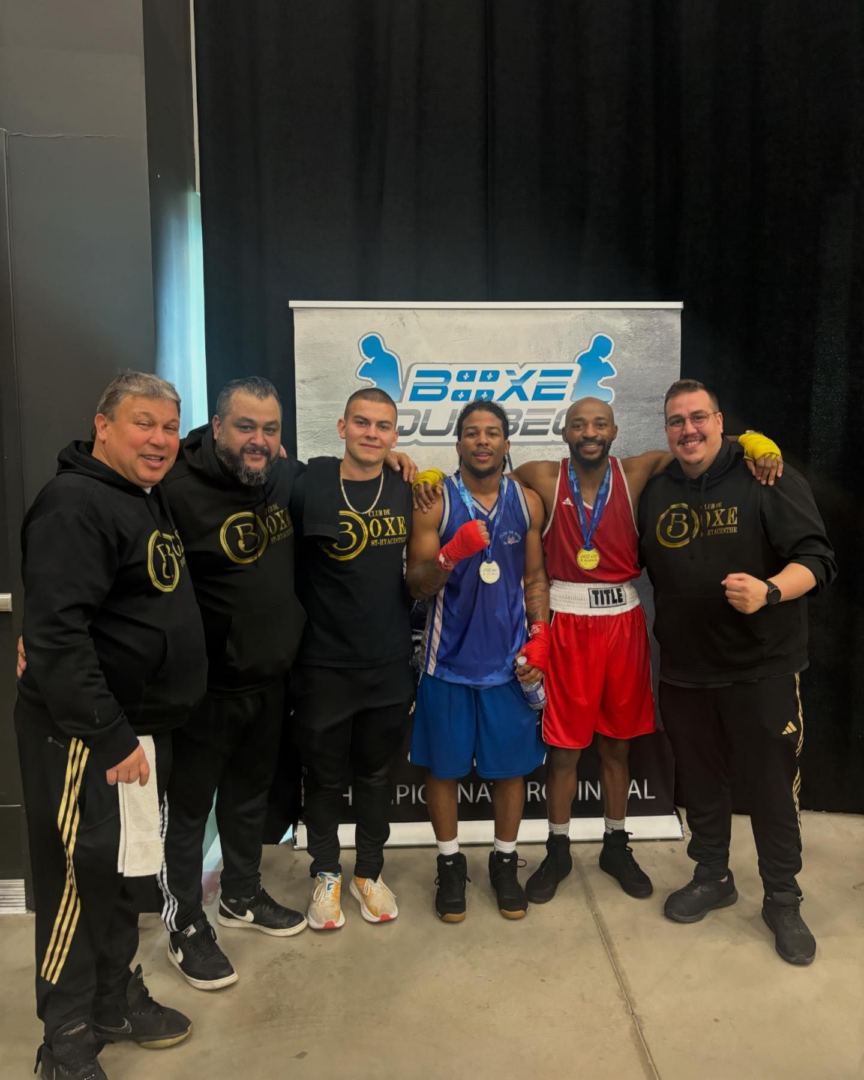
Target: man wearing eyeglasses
{"x":731,"y":563}
{"x":598,"y":681}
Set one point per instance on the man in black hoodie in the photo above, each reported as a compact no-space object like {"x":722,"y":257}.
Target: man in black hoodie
{"x":731,"y":563}
{"x":115,"y":651}
{"x":229,"y":494}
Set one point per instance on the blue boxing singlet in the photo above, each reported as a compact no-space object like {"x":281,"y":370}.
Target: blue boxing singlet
{"x":474,"y":630}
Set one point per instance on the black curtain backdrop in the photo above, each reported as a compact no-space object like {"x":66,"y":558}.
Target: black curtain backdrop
{"x":503,"y":150}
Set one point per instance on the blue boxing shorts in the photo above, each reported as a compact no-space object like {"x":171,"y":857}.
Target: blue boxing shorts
{"x":456,"y":725}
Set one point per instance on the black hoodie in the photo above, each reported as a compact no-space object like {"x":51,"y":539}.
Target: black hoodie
{"x":239,"y":541}
{"x":695,"y":532}
{"x":114,"y":642}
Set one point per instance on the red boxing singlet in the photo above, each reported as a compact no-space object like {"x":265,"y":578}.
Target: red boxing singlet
{"x":616,"y":538}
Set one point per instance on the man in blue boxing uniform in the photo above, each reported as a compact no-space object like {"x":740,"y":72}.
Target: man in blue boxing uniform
{"x":478,"y":556}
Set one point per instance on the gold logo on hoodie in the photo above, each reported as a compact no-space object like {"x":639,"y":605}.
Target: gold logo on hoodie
{"x":681,"y":523}
{"x":675,"y":524}
{"x":244,"y":537}
{"x":164,"y":559}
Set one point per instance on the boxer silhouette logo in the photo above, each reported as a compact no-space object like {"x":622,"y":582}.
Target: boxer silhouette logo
{"x":381,"y":366}
{"x":594,"y":368}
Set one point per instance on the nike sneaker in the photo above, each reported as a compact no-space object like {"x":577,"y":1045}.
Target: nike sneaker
{"x":199,"y":959}
{"x":260,"y":912}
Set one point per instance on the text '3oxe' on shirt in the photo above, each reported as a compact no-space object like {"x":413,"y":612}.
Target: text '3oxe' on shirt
{"x":351,"y":577}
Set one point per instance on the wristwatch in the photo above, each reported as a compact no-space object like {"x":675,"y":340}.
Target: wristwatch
{"x":774,"y":596}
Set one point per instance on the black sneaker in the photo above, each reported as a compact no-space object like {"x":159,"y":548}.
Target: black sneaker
{"x":194,"y":952}
{"x":544,"y":882}
{"x":792,"y":938}
{"x":512,"y":901}
{"x":72,"y":1053}
{"x":697,"y":898}
{"x":450,"y":897}
{"x":616,"y":858}
{"x":260,"y":912}
{"x":134,"y":1015}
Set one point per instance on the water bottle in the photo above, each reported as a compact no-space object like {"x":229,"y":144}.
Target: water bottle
{"x":534,"y":692}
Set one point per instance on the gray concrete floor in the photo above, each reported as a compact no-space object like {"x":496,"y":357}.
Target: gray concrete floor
{"x":593,"y":985}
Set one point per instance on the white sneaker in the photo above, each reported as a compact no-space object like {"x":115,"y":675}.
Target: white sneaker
{"x":325,"y":910}
{"x":377,"y":903}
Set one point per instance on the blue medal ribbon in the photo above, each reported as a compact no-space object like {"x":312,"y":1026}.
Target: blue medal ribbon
{"x":472,"y":510}
{"x":599,"y":504}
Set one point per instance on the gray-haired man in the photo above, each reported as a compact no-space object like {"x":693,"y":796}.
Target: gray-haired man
{"x":115,"y":651}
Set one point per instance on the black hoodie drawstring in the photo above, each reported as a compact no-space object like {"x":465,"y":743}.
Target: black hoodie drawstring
{"x":699,"y":528}
{"x":702,"y":524}
{"x":150,"y":499}
{"x":263,"y":519}
{"x":166,"y":510}
{"x":259,"y":495}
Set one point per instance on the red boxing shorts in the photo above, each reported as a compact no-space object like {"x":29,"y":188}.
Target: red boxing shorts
{"x":599,"y":676}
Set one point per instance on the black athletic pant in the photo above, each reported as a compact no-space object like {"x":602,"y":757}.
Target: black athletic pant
{"x":755,"y":729}
{"x":228,"y":749}
{"x":349,"y":722}
{"x":86,"y":917}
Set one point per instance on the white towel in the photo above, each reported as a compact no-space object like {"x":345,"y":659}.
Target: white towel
{"x":140,"y":852}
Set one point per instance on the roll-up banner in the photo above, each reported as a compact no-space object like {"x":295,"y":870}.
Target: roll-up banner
{"x":534,"y":360}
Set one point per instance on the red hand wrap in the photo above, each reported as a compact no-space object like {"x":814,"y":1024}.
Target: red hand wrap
{"x":536,"y":649}
{"x":465,"y":543}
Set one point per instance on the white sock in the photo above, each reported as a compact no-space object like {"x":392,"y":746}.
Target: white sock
{"x":612,"y":825}
{"x":506,"y":847}
{"x":559,"y":830}
{"x":448,"y":847}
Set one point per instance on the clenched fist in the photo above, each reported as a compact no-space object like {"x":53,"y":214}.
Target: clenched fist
{"x":745,"y":593}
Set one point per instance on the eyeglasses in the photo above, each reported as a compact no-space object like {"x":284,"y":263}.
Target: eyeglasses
{"x":697,"y":419}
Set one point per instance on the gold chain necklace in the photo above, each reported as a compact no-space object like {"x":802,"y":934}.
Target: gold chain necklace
{"x":374,"y":504}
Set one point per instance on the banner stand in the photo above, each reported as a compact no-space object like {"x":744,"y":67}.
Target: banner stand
{"x":531,"y":831}
{"x":534,"y":360}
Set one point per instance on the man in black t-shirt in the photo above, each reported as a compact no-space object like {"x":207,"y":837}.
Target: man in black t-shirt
{"x":352,"y":684}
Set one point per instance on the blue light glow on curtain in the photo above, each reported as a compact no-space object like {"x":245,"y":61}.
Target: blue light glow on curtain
{"x":179,"y":300}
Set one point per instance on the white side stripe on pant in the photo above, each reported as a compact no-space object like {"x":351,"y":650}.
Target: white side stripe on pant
{"x":169,"y":907}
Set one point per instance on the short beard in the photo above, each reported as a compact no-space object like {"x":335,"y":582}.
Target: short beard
{"x":238,"y":468}
{"x":590,"y":463}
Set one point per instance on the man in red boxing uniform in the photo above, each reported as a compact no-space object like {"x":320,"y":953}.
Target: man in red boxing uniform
{"x":598,"y":680}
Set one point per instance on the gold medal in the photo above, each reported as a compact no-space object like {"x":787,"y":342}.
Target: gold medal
{"x":588,"y":558}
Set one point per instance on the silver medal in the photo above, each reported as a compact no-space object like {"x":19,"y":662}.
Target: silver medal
{"x":490,"y":572}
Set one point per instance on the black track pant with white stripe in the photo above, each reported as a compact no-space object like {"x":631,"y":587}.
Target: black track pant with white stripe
{"x":755,"y":730}
{"x":86,"y":916}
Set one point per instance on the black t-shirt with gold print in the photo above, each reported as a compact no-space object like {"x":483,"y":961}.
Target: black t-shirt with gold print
{"x":353,"y":588}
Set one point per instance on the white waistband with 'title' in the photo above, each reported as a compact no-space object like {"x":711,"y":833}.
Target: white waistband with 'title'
{"x":602,"y":598}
